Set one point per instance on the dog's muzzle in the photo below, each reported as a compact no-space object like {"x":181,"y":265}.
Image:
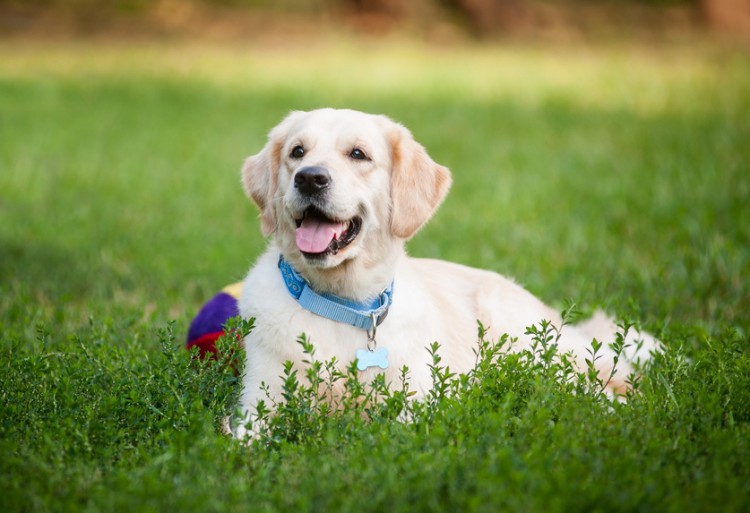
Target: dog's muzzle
{"x":320,"y":233}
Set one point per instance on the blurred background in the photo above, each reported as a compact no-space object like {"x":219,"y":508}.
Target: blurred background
{"x":599,"y":147}
{"x":438,"y":20}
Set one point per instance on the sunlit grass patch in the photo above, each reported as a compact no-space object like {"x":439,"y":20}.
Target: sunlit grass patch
{"x":639,"y":78}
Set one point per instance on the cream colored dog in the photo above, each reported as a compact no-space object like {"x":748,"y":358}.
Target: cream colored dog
{"x":339,"y":192}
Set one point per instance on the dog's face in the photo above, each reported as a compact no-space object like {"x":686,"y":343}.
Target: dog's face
{"x":339,"y":185}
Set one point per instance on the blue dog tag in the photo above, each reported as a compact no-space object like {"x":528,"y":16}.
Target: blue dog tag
{"x":376,"y":358}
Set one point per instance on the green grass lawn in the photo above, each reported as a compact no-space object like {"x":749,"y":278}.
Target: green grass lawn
{"x":616,"y":177}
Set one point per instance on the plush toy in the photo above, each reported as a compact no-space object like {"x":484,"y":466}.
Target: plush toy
{"x":208,"y":325}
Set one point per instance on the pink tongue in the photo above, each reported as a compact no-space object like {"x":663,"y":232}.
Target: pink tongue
{"x":314,"y":235}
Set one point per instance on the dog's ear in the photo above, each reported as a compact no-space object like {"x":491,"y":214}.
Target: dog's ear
{"x":418,"y":184}
{"x":260,"y":174}
{"x":259,"y":179}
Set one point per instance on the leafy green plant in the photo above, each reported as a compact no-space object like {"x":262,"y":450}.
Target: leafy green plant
{"x":319,"y":396}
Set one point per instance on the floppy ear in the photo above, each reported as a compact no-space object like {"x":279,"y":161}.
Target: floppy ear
{"x":418,"y":184}
{"x":260,"y":174}
{"x":259,"y":179}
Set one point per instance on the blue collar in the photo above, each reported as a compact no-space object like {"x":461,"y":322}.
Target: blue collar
{"x":366,"y":315}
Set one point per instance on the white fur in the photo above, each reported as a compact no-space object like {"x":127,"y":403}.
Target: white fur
{"x":395,"y":193}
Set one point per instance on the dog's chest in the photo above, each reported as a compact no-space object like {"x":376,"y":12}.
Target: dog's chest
{"x":280,"y":321}
{"x":413,"y":323}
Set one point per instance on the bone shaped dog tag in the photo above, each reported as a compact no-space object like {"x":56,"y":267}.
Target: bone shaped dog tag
{"x":375,"y":358}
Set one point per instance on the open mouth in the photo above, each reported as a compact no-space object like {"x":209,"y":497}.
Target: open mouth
{"x":317,"y":235}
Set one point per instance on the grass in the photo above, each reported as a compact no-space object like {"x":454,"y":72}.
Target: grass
{"x":616,"y":176}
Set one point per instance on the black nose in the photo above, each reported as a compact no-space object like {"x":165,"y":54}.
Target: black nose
{"x":312,"y":180}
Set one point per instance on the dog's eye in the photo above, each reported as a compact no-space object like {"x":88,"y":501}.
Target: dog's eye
{"x":297,"y":152}
{"x":358,"y":154}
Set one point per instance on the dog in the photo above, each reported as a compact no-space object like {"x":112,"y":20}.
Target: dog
{"x":339,"y":193}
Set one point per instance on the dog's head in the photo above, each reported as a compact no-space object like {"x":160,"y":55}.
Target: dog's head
{"x":336,"y":185}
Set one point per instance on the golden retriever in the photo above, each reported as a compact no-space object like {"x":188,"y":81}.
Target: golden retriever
{"x":339,"y":193}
